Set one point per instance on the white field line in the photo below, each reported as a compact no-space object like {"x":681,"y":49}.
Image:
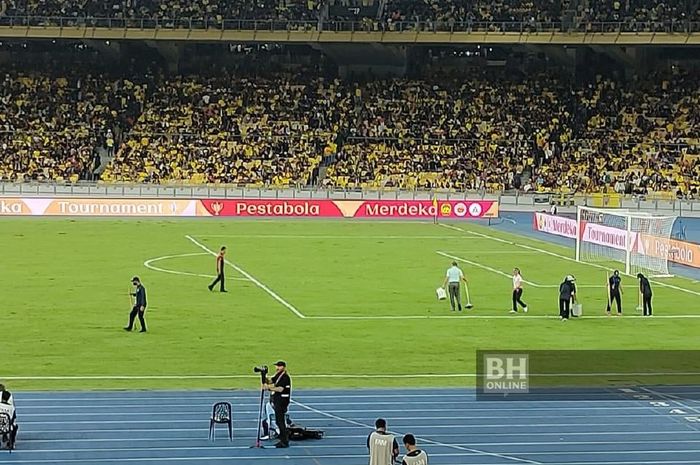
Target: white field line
{"x":272,"y":293}
{"x":149,"y":264}
{"x":322,"y":236}
{"x":422,"y":439}
{"x":364,"y":436}
{"x":562,"y":257}
{"x":315,"y":446}
{"x":468,"y":316}
{"x":502,"y":273}
{"x":333,"y":375}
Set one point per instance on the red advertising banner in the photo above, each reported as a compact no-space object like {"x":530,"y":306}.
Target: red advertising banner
{"x":250,"y":208}
{"x":406,"y":209}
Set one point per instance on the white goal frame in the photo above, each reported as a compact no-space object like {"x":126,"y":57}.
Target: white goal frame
{"x":635,"y":230}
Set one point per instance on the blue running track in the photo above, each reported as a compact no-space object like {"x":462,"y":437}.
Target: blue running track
{"x":161,"y":428}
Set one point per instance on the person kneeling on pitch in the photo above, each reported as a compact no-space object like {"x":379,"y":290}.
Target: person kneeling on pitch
{"x":567,"y":293}
{"x":414,"y":456}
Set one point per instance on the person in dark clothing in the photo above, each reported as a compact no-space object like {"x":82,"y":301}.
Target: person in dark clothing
{"x":280,"y":387}
{"x":645,"y":290}
{"x":615,"y":292}
{"x":220,"y":265}
{"x":139,"y":307}
{"x":414,"y":456}
{"x":567,"y":293}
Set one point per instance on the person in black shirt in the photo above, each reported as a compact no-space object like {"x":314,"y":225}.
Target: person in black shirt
{"x":280,"y":387}
{"x":220,"y":266}
{"x":645,"y":289}
{"x":567,"y":293}
{"x":139,"y":307}
{"x":615,"y":292}
{"x":414,"y":456}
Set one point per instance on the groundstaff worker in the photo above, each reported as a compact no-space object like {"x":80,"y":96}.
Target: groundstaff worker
{"x":414,"y":456}
{"x":453,"y":277}
{"x":567,"y":293}
{"x":383,"y":448}
{"x":280,"y":387}
{"x":518,"y":291}
{"x":139,"y":307}
{"x":615,"y":292}
{"x":645,"y":289}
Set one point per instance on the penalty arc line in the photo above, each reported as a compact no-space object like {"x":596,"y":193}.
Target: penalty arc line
{"x":423,"y":439}
{"x":250,"y":277}
{"x":563,"y":257}
{"x":149,"y":264}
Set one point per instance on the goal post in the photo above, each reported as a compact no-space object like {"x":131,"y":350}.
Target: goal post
{"x":640,"y":241}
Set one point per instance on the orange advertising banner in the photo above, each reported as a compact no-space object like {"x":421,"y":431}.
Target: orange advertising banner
{"x":77,"y":206}
{"x":681,"y":252}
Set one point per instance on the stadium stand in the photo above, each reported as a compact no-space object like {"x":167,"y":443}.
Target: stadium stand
{"x":495,"y":15}
{"x":256,"y":123}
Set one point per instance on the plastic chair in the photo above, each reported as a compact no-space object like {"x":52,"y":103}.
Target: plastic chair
{"x":6,"y":430}
{"x":221,"y":414}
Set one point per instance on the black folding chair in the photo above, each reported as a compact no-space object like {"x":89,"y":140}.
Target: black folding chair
{"x":221,"y":414}
{"x":6,"y":430}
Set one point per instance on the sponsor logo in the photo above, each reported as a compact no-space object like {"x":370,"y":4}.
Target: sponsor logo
{"x":216,"y":208}
{"x":475,"y":209}
{"x":445,"y":209}
{"x":460,"y":209}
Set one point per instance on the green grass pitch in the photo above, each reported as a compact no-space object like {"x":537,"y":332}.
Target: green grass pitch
{"x":365,"y":290}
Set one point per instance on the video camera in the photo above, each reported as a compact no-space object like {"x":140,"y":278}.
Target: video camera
{"x":262,"y":369}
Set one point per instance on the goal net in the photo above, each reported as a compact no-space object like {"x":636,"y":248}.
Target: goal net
{"x":639,"y":240}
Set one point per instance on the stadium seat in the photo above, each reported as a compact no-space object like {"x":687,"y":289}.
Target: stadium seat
{"x":221,"y":414}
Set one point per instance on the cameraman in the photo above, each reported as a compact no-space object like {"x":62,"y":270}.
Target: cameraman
{"x":280,"y":387}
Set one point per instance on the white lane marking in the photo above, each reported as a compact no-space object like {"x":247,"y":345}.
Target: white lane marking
{"x":422,"y":439}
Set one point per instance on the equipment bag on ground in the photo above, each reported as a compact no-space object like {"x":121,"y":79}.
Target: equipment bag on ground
{"x":299,"y":433}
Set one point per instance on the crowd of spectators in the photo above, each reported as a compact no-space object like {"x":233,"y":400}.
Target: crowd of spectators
{"x":479,"y":130}
{"x":51,"y":127}
{"x":166,"y":13}
{"x":598,"y":15}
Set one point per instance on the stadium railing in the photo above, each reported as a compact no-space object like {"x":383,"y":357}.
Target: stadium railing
{"x":509,"y":200}
{"x":271,"y":25}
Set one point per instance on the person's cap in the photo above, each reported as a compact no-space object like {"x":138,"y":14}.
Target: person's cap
{"x":616,"y":272}
{"x":281,"y":363}
{"x":135,"y":279}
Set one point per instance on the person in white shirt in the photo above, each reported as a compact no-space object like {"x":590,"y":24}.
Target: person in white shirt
{"x":453,"y":277}
{"x":518,"y":291}
{"x":9,"y":410}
